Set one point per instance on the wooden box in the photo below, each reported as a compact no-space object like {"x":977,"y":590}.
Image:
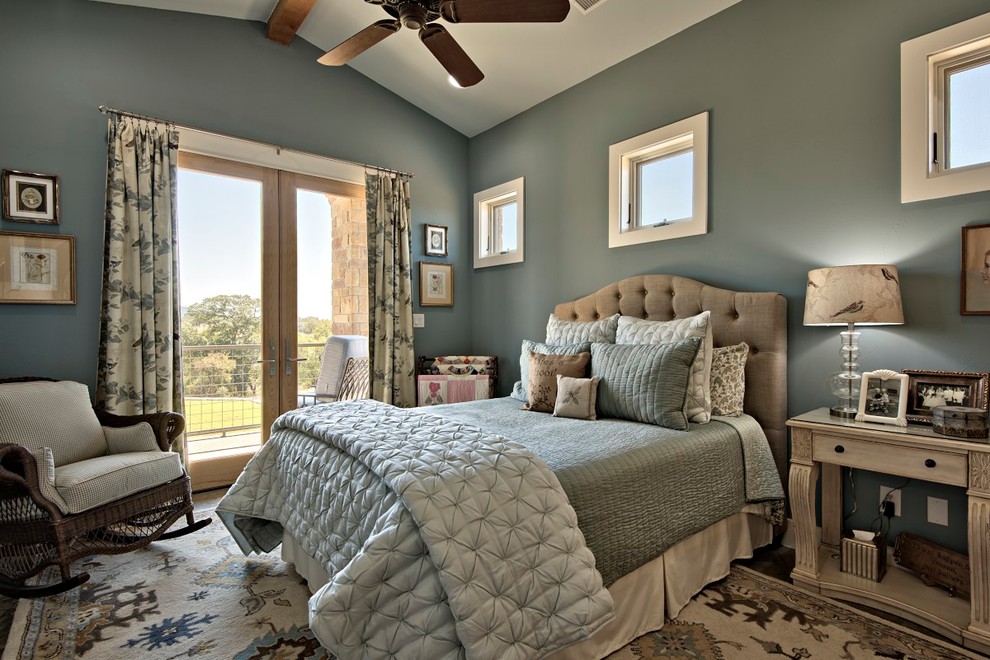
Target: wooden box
{"x":865,"y":558}
{"x":960,"y":422}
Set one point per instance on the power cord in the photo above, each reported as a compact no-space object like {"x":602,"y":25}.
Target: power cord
{"x":885,"y":511}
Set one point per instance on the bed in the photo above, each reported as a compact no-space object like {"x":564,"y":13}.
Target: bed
{"x":600,"y":601}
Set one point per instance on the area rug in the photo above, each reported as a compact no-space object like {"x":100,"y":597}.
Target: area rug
{"x":199,"y":597}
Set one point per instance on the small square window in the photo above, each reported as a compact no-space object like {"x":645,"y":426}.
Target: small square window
{"x":498,"y":225}
{"x":658,"y":184}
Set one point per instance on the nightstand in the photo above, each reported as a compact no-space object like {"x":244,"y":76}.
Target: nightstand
{"x":823,"y":445}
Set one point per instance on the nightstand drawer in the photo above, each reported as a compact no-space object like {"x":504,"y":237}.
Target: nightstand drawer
{"x":930,"y":465}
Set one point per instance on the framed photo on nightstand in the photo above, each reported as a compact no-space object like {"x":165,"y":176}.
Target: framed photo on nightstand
{"x":883,"y":398}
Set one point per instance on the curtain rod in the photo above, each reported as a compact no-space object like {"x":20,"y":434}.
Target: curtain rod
{"x":107,"y":110}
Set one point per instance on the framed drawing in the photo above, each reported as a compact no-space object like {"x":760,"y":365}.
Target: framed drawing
{"x":30,"y":197}
{"x":883,"y":398}
{"x":436,"y":284}
{"x":436,"y":240}
{"x":927,"y":389}
{"x":37,"y":268}
{"x":975,"y":285}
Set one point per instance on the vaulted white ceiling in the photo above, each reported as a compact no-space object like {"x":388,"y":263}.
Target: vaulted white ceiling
{"x":524,"y":64}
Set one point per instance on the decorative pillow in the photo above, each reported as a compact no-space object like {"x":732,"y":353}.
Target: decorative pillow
{"x":729,"y":379}
{"x":576,"y":397}
{"x":645,"y":382}
{"x":543,"y":371}
{"x":519,"y":390}
{"x":140,"y":437}
{"x":639,"y":331}
{"x":569,"y":332}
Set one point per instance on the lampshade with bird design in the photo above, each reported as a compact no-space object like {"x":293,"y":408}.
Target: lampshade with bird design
{"x":863,"y":294}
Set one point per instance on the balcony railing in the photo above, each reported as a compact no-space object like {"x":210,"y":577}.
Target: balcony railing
{"x":223,"y":388}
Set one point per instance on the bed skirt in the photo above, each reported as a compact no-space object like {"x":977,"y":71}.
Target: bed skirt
{"x":645,"y":597}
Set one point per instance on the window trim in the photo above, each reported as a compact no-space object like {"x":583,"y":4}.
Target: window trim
{"x":623,"y":160}
{"x":484,"y":202}
{"x":923,"y":61}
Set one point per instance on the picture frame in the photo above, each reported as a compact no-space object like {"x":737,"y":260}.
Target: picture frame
{"x":974,"y":289}
{"x":436,"y":284}
{"x":883,"y":398}
{"x":30,"y":197}
{"x":435,"y":240}
{"x":37,"y":268}
{"x":927,"y":389}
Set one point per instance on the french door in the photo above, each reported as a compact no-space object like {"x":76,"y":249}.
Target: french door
{"x":255,"y":254}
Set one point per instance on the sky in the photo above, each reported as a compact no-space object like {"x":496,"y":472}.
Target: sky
{"x":220,"y":242}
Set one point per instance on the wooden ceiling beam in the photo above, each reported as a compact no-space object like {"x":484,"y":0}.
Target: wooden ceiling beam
{"x":286,"y":19}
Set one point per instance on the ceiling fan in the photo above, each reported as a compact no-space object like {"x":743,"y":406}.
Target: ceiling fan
{"x":421,"y":14}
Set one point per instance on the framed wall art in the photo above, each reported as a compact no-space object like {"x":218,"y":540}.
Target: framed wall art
{"x":975,"y":286}
{"x":29,"y":197}
{"x":883,"y":398}
{"x":436,"y":284}
{"x":37,"y":268}
{"x":436,"y":240}
{"x":927,"y":389}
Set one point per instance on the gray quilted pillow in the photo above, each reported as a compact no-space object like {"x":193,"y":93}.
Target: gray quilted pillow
{"x":569,"y":332}
{"x":645,"y":382}
{"x":632,"y":330}
{"x":520,"y":389}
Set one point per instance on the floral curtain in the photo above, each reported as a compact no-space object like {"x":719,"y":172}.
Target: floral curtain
{"x":139,"y":360}
{"x":390,"y":340}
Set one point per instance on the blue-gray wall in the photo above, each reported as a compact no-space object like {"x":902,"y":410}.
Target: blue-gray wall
{"x":61,"y":59}
{"x":804,"y":101}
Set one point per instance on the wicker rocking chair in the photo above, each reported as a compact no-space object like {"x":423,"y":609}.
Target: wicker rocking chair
{"x":76,"y":482}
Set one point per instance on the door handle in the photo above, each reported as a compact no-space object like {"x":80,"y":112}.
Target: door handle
{"x":290,"y":360}
{"x":271,"y":362}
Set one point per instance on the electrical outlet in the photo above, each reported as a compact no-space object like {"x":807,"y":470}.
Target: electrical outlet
{"x":419,"y":320}
{"x":938,"y":511}
{"x":895,"y":497}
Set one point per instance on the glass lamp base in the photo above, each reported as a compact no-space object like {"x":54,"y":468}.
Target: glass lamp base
{"x":843,"y":412}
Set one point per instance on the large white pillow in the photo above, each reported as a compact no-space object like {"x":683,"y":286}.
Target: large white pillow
{"x":571,"y":332}
{"x":632,"y":330}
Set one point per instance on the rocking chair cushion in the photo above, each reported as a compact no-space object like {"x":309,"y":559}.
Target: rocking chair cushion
{"x":56,"y":415}
{"x":97,"y":481}
{"x":140,"y":437}
{"x":46,"y":477}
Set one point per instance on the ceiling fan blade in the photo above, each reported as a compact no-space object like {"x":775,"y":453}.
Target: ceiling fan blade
{"x":345,"y":51}
{"x":451,"y":55}
{"x":505,"y":11}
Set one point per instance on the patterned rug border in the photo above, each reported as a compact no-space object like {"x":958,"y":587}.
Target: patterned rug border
{"x":849,"y":610}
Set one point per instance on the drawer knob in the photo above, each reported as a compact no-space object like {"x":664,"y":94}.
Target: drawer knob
{"x":929,"y":463}
{"x":839,"y":449}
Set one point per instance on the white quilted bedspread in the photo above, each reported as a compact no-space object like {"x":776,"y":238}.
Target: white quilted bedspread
{"x":441,"y":541}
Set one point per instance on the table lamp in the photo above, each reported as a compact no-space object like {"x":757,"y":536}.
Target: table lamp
{"x":852,"y":295}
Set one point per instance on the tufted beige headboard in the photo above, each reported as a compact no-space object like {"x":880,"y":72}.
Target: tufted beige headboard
{"x":759,"y":319}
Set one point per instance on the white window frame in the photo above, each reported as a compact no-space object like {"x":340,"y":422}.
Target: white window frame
{"x":623,"y":158}
{"x":924,"y":61}
{"x":485,"y":202}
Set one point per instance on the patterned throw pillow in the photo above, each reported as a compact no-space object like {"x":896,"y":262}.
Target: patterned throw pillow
{"x":632,"y":330}
{"x":729,"y":379}
{"x":519,"y":390}
{"x":543,"y":371}
{"x":576,"y":397}
{"x":645,"y":382}
{"x":569,"y":332}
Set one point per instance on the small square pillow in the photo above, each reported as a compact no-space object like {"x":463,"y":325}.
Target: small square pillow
{"x":543,"y":371}
{"x":569,"y":332}
{"x":645,"y":382}
{"x":140,"y":437}
{"x":576,"y":397}
{"x":632,"y":330}
{"x":729,"y":379}
{"x":519,"y":390}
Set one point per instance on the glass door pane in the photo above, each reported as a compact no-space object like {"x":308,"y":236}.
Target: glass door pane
{"x":220,"y":239}
{"x":314,"y":287}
